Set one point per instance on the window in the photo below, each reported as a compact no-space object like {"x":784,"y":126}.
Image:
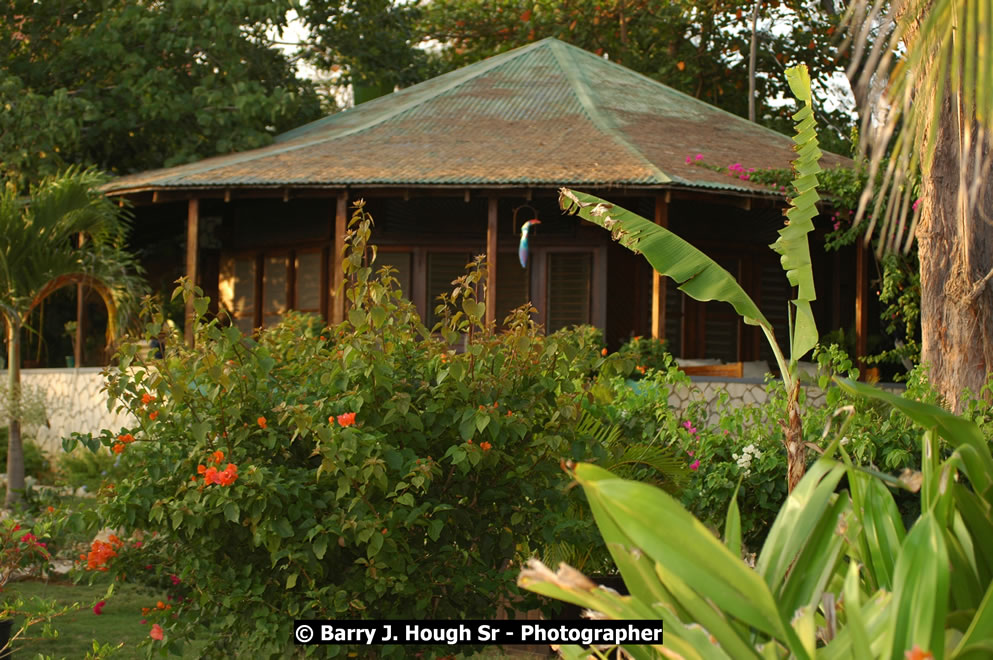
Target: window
{"x":257,"y":289}
{"x":443,"y":269}
{"x":570,"y":289}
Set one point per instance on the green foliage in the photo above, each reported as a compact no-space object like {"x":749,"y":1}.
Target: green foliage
{"x":700,"y":48}
{"x":369,"y":471}
{"x":645,"y":352}
{"x":131,"y":86}
{"x":925,"y":590}
{"x":36,"y":463}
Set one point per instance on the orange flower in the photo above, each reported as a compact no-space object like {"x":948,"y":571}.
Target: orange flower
{"x":160,"y":605}
{"x":262,"y":422}
{"x":153,"y":415}
{"x":604,"y":352}
{"x":469,"y":441}
{"x":118,"y":447}
{"x":156,"y":632}
{"x":346,"y":419}
{"x":217,"y":457}
{"x":485,"y":445}
{"x":147,"y":398}
{"x":126,"y":438}
{"x":227,"y":476}
{"x":640,"y":368}
{"x":917,"y":654}
{"x":201,"y":468}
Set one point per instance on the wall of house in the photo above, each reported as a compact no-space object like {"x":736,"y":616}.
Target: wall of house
{"x":74,"y":402}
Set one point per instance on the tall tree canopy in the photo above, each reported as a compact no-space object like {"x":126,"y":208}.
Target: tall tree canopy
{"x":700,"y":47}
{"x":129,"y":85}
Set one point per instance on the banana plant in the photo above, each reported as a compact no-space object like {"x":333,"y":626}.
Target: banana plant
{"x":701,"y":278}
{"x":838,"y":576}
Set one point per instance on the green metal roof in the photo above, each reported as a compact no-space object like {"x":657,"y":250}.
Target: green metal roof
{"x":546,"y":114}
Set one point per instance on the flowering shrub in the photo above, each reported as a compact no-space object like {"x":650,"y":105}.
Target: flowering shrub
{"x":369,"y":470}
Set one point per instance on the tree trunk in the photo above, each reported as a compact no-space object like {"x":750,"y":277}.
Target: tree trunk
{"x":796,"y":454}
{"x":956,"y":255}
{"x":15,"y":450}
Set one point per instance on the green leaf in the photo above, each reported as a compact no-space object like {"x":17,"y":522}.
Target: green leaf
{"x":320,"y":546}
{"x":232,"y":511}
{"x":920,"y":591}
{"x":283,"y":528}
{"x":434,"y":529}
{"x":291,"y":580}
{"x":375,"y":545}
{"x":732,"y":524}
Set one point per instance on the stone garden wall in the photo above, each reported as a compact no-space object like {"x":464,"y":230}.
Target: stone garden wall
{"x":74,"y":402}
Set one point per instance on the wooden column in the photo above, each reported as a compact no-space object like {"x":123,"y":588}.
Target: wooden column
{"x":491,"y":262}
{"x":338,"y":281}
{"x":658,"y":285}
{"x":192,"y":248}
{"x":861,"y":304}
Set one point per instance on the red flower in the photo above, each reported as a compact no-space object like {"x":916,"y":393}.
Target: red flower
{"x":262,"y":422}
{"x":604,"y":352}
{"x":156,"y":632}
{"x":153,"y":415}
{"x":346,"y":419}
{"x":217,"y":457}
{"x":147,"y":398}
{"x":485,"y":445}
{"x":98,"y":608}
{"x":118,"y":447}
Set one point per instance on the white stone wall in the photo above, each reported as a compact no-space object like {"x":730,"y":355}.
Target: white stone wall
{"x":741,"y":392}
{"x":75,"y":402}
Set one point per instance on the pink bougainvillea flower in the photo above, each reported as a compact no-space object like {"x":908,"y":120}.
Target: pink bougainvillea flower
{"x":689,"y":160}
{"x":695,"y":464}
{"x":917,"y":203}
{"x":156,"y":632}
{"x":346,"y":419}
{"x":691,"y":452}
{"x":98,"y":608}
{"x":175,"y":579}
{"x":699,"y":156}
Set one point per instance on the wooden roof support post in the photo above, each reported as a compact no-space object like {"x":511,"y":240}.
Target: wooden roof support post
{"x":77,"y":349}
{"x":861,"y":304}
{"x":192,"y":248}
{"x":658,"y":284}
{"x":491,"y":261}
{"x":338,"y":281}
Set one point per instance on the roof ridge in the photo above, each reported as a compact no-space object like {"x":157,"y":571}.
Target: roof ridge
{"x":582,"y":93}
{"x":476,"y":68}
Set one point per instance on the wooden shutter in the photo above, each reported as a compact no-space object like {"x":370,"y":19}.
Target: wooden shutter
{"x":443,"y":269}
{"x":569,"y":289}
{"x":401,"y":263}
{"x":307,"y":281}
{"x":236,"y":290}
{"x":275,"y":277}
{"x":512,"y":288}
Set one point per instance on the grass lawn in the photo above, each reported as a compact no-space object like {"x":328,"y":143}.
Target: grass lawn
{"x":118,"y":623}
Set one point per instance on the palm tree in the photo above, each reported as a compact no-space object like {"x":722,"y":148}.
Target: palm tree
{"x":934,"y":59}
{"x":38,"y":233}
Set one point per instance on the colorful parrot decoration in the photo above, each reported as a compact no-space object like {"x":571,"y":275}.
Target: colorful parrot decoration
{"x":522,"y":250}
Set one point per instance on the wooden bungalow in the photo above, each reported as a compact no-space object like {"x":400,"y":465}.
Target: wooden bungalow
{"x":453,"y":166}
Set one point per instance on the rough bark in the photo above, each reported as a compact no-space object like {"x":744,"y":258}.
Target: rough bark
{"x":796,"y":454}
{"x":15,"y":449}
{"x":955,"y":243}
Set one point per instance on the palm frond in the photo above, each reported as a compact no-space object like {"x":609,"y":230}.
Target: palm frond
{"x":936,"y":58}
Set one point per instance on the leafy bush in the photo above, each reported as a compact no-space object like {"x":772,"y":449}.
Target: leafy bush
{"x":369,"y":471}
{"x":646,"y":353}
{"x":839,"y":575}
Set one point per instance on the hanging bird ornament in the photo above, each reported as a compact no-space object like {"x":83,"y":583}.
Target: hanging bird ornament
{"x":522,"y":250}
